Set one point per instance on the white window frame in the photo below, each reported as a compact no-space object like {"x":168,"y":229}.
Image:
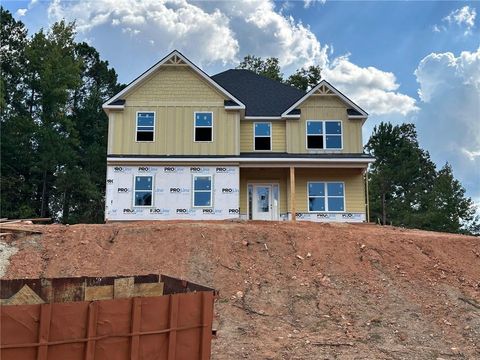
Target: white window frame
{"x":324,"y":135}
{"x":326,"y":196}
{"x":193,"y":191}
{"x":195,"y":126}
{"x":270,"y":136}
{"x":135,"y":190}
{"x":154,"y":126}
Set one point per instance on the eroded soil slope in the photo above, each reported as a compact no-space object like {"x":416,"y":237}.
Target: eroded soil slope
{"x":291,"y":291}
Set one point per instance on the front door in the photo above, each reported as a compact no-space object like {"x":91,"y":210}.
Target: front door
{"x":262,"y":202}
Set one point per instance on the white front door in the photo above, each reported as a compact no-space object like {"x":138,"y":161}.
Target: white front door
{"x":262,"y":202}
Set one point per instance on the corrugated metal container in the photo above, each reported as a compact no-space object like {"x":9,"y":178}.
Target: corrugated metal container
{"x":175,"y":325}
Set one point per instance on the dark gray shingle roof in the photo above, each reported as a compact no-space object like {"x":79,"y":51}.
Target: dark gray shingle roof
{"x":262,"y":96}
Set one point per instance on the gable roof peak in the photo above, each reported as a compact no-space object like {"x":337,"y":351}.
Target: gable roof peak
{"x":328,"y":89}
{"x":175,"y":57}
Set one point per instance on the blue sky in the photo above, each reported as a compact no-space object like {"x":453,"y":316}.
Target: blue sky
{"x":401,"y":61}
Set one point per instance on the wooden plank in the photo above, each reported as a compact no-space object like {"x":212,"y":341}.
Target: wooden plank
{"x":148,"y":289}
{"x":173,"y":323}
{"x":104,"y":292}
{"x":293,"y":208}
{"x":44,"y":331}
{"x":25,"y":296}
{"x":91,"y":330}
{"x":123,"y":288}
{"x":136,"y":322}
{"x":7,"y":226}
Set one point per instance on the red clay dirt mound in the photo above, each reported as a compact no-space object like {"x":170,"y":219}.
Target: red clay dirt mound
{"x":291,"y":291}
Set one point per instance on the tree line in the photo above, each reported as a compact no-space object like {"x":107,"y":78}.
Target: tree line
{"x":54,"y":138}
{"x":53,"y":129}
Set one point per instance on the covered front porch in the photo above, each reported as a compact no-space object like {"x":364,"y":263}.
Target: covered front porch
{"x":298,"y":192}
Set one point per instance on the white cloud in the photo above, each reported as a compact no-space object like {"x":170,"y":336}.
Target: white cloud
{"x":21,"y":12}
{"x":171,"y":23}
{"x":218,"y":27}
{"x":308,"y":3}
{"x":463,"y":17}
{"x":373,"y":89}
{"x":449,"y":118}
{"x":266,"y":32}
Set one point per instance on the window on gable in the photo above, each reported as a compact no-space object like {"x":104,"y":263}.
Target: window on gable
{"x":145,"y":126}
{"x":143,"y":190}
{"x":326,"y":196}
{"x":263,"y":136}
{"x":203,"y":126}
{"x":202,"y":191}
{"x":324,"y":134}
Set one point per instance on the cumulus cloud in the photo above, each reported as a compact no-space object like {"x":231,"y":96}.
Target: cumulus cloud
{"x":449,"y":118}
{"x":463,"y":18}
{"x":21,"y":12}
{"x":373,"y":89}
{"x":208,"y":32}
{"x":173,"y":23}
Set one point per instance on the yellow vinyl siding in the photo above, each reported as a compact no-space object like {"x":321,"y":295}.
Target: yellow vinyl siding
{"x":263,"y":175}
{"x":324,"y":107}
{"x":354,"y":186}
{"x":174,"y":93}
{"x":278,"y":135}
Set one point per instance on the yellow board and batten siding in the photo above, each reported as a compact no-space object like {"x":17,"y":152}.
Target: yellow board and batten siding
{"x":352,"y":178}
{"x":279,"y":142}
{"x":174,"y":93}
{"x":323,"y":107}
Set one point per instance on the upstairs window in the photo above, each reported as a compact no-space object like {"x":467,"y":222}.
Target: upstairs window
{"x":315,"y":135}
{"x":203,"y":126}
{"x":143,"y":190}
{"x":262,"y":136}
{"x":326,"y":196}
{"x":324,"y":134}
{"x":202,"y":191}
{"x":145,"y":126}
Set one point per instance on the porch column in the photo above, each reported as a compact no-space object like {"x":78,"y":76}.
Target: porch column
{"x":293,"y":208}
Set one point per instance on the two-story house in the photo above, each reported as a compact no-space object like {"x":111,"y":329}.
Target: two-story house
{"x":185,"y":145}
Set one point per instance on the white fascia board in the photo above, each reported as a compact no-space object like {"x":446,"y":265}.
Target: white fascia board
{"x":234,"y":108}
{"x":292,"y":116}
{"x":160,"y":63}
{"x":113,"y":107}
{"x":357,"y":117}
{"x":241,"y":160}
{"x":332,"y":88}
{"x":263,"y":117}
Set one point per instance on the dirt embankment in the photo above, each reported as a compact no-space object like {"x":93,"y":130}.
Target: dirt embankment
{"x":292,"y":291}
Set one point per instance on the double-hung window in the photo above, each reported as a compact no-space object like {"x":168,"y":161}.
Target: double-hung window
{"x":143,"y":191}
{"x":262,"y":136}
{"x":202,"y":191}
{"x":145,"y":126}
{"x":203,"y":126}
{"x":326,"y":196}
{"x":324,"y":134}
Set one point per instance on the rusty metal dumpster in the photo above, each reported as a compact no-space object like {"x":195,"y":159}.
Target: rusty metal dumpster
{"x":136,"y":317}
